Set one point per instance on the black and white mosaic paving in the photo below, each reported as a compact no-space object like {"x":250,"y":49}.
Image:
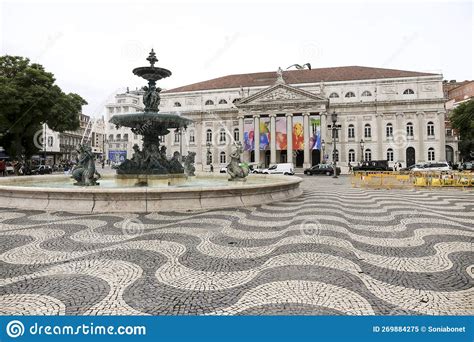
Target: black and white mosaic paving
{"x":333,"y":251}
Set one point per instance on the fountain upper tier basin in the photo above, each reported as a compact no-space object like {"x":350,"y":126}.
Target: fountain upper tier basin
{"x":154,"y":123}
{"x":205,"y":191}
{"x":152,"y":73}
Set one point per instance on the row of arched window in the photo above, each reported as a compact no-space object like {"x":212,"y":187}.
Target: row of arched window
{"x":118,"y":137}
{"x":223,"y":133}
{"x":430,"y":130}
{"x":349,"y":94}
{"x":389,"y":155}
{"x":222,"y":158}
{"x":367,"y":93}
{"x":210,"y":102}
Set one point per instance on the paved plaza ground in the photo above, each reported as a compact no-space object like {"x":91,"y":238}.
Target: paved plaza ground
{"x":335,"y":250}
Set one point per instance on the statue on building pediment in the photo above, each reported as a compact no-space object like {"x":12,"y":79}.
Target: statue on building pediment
{"x":280,"y":79}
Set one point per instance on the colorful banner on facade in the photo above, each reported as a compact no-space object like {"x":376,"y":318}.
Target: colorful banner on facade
{"x":281,"y":137}
{"x":249,"y":135}
{"x":265,"y":133}
{"x":298,"y":133}
{"x":315,"y":140}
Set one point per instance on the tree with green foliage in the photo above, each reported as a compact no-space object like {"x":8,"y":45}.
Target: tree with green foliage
{"x":462,"y":119}
{"x":30,"y":98}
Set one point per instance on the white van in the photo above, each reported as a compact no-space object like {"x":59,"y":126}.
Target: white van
{"x":433,"y":166}
{"x":280,"y":169}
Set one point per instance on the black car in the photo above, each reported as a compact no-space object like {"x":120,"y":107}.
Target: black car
{"x":373,"y":165}
{"x":322,"y":169}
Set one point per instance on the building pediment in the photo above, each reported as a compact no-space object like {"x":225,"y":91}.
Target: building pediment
{"x":281,"y":94}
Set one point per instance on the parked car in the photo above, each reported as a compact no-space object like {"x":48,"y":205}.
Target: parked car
{"x":281,"y":169}
{"x":373,"y":165}
{"x":467,"y":166}
{"x":414,"y":166}
{"x":224,"y":168}
{"x":435,"y":166}
{"x":42,"y":170}
{"x":322,"y":169}
{"x":255,"y":168}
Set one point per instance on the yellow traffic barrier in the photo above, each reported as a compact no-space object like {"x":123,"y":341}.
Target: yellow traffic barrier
{"x":400,"y":180}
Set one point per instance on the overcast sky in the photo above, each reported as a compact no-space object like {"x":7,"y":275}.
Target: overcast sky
{"x":92,"y":46}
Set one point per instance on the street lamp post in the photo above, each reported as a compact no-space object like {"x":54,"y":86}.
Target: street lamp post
{"x":208,"y":161}
{"x":334,"y":133}
{"x":179,"y":131}
{"x":323,"y":159}
{"x":361,"y":150}
{"x":45,"y":142}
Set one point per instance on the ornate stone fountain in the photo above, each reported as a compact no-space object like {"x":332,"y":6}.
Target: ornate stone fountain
{"x":151,"y":164}
{"x":150,"y":180}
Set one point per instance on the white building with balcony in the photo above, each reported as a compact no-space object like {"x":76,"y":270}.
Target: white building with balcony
{"x":284,"y":116}
{"x":119,"y":141}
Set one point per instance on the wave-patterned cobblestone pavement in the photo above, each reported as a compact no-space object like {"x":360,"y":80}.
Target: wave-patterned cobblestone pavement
{"x":335,"y":250}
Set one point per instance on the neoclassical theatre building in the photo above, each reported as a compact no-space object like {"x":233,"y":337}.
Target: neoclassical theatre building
{"x":285,"y":116}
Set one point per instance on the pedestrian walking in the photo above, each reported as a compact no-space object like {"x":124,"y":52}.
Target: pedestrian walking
{"x":3,"y":167}
{"x":212,"y":168}
{"x":350,"y":167}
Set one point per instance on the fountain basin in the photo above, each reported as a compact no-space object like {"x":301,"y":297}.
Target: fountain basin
{"x":204,"y":191}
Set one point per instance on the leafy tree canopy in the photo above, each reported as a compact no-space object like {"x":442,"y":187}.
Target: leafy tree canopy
{"x":28,"y":99}
{"x":462,"y":119}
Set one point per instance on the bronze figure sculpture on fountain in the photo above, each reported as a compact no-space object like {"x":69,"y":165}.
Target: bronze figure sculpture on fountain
{"x":84,"y":172}
{"x":151,"y":124}
{"x":235,"y":169}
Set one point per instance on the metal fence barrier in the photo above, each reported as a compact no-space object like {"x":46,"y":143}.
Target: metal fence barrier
{"x":406,"y":180}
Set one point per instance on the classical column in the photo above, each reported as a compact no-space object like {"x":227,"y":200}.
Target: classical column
{"x":199,"y":151}
{"x":306,"y":135}
{"x":400,"y":133}
{"x":421,"y":140}
{"x":323,"y":130}
{"x":241,"y":128}
{"x":256,"y":135}
{"x":289,"y":137}
{"x":441,"y":132}
{"x":378,"y":122}
{"x":272,"y":138}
